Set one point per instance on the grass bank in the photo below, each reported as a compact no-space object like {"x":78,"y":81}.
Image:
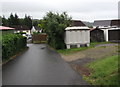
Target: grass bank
{"x":104,"y":71}
{"x":72,"y":50}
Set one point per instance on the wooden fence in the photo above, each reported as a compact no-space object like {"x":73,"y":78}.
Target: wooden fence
{"x":39,"y":38}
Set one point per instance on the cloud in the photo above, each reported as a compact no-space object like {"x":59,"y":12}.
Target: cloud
{"x":84,"y":9}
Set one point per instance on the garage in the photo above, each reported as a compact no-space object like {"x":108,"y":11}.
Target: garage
{"x":114,"y":35}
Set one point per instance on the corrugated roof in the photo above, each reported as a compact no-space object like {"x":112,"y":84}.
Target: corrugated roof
{"x":102,"y":23}
{"x":107,"y":23}
{"x":6,"y":28}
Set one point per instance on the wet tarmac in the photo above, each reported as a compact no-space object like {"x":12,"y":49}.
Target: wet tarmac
{"x":40,"y":65}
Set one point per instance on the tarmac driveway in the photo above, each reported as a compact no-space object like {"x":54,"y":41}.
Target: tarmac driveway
{"x":40,"y":65}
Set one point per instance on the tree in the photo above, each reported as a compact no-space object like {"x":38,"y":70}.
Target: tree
{"x":54,"y":25}
{"x":4,"y":21}
{"x":35,"y":22}
{"x":16,"y":20}
{"x":28,"y":21}
{"x":13,"y":20}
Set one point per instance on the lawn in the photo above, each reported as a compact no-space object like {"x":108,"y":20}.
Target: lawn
{"x":72,"y":50}
{"x":103,"y":71}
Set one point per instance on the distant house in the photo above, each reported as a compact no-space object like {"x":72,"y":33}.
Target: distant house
{"x":96,"y":35}
{"x":6,"y":30}
{"x":111,"y":29}
{"x":22,"y":28}
{"x":35,"y":29}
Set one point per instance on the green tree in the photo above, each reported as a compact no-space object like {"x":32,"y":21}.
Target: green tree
{"x":4,"y":21}
{"x":0,"y":20}
{"x":16,"y":20}
{"x":28,"y":21}
{"x":54,"y":25}
{"x":13,"y":20}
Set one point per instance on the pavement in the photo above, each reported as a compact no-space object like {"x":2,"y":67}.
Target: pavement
{"x":40,"y":65}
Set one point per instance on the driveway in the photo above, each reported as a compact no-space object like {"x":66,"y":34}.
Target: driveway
{"x":40,"y":65}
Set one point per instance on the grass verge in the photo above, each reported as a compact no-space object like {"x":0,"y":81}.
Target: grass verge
{"x":72,"y":50}
{"x":104,"y":71}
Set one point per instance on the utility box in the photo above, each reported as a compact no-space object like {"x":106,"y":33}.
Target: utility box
{"x":77,"y":36}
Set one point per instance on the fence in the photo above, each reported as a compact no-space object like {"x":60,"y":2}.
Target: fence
{"x":39,"y":38}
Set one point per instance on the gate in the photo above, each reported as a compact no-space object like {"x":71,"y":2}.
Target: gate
{"x":39,"y":38}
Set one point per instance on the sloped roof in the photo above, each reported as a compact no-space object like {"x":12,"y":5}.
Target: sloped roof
{"x":102,"y":23}
{"x":77,"y":23}
{"x":21,"y":27}
{"x":6,"y":28}
{"x":37,"y":28}
{"x":107,"y":22}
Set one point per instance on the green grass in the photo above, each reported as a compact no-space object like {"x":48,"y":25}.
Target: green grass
{"x":39,"y":42}
{"x":72,"y":50}
{"x":104,"y":71}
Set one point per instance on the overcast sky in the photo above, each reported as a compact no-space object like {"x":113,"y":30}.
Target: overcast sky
{"x":85,"y":10}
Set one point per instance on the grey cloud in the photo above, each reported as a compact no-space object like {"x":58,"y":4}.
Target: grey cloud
{"x":85,"y":10}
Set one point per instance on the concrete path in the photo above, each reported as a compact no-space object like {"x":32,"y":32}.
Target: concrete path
{"x":40,"y":66}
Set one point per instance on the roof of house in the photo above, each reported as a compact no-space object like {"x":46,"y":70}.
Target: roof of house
{"x":102,"y":23}
{"x":37,"y":28}
{"x":115,"y":22}
{"x":107,"y":22}
{"x":77,"y":23}
{"x":6,"y":28}
{"x":21,"y":27}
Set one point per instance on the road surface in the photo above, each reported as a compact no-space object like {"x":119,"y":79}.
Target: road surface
{"x":40,"y":65}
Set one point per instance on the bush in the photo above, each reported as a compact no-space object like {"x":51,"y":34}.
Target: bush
{"x":11,"y":44}
{"x":54,"y":24}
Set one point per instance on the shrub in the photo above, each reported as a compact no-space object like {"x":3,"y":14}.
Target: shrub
{"x":11,"y":44}
{"x":54,"y":24}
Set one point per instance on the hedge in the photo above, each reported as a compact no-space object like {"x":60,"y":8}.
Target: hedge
{"x":11,"y":44}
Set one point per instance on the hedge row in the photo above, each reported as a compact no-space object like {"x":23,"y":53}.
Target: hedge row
{"x":11,"y":44}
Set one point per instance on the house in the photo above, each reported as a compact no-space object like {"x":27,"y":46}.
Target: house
{"x":33,"y":30}
{"x":96,"y":35}
{"x":77,"y":34}
{"x":22,"y":28}
{"x":111,"y":29}
{"x":36,"y":29}
{"x":6,"y":30}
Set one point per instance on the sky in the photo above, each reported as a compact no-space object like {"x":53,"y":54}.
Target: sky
{"x":85,"y":10}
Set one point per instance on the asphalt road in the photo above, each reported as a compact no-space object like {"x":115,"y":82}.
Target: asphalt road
{"x":40,"y":65}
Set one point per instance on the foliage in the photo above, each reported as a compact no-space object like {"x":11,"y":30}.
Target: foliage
{"x":36,"y":32}
{"x":104,"y":71}
{"x":28,"y":21}
{"x":54,"y":24}
{"x":15,"y":20}
{"x":21,"y":33}
{"x":4,"y":21}
{"x":12,"y":43}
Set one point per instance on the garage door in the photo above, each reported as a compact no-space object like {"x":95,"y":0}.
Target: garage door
{"x":114,"y":35}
